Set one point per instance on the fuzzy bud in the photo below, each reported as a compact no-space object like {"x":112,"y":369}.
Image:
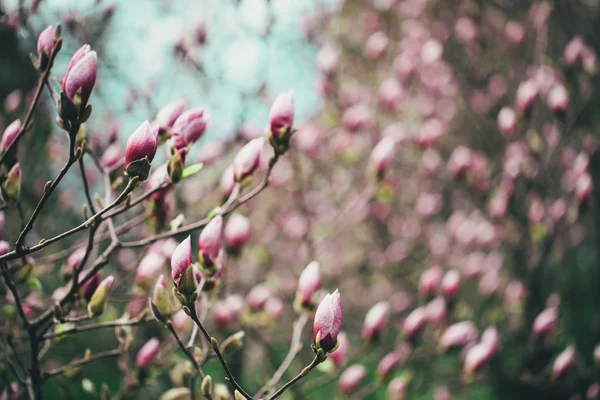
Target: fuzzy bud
{"x":233,"y":343}
{"x":327,"y":322}
{"x":210,"y":243}
{"x":206,"y":386}
{"x":351,"y":378}
{"x":389,"y":363}
{"x":96,"y":304}
{"x":430,"y":280}
{"x":148,"y":269}
{"x":451,"y":284}
{"x":167,"y":116}
{"x":414,"y":322}
{"x":309,"y":284}
{"x":545,"y":323}
{"x":397,"y":388}
{"x":160,"y":305}
{"x":383,"y":155}
{"x":563,"y":362}
{"x":12,"y":184}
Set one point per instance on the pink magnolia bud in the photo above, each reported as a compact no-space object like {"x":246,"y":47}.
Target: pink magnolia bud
{"x":149,"y":268}
{"x":309,"y":283}
{"x":430,"y":280}
{"x":4,"y":247}
{"x":597,"y":354}
{"x":189,"y":127}
{"x":514,"y":33}
{"x":376,"y":45}
{"x":274,"y":307}
{"x":491,"y":337}
{"x":383,"y":155}
{"x":227,"y":182}
{"x":328,"y":321}
{"x":545,"y":323}
{"x":45,"y":42}
{"x":340,"y":355}
{"x":357,"y":117}
{"x":451,"y":283}
{"x":167,"y":116}
{"x":458,"y":335}
{"x":237,"y":232}
{"x":459,"y":161}
{"x":573,"y":50}
{"x":209,"y":242}
{"x":327,"y":60}
{"x":182,"y":322}
{"x":390,"y":93}
{"x":112,"y":156}
{"x":563,"y":362}
{"x":75,"y":258}
{"x":525,"y":96}
{"x":436,"y":310}
{"x":397,"y":388}
{"x":514,"y":294}
{"x":81,"y":74}
{"x":181,"y":259}
{"x":141,"y":144}
{"x":351,"y":378}
{"x":148,"y":353}
{"x":477,"y":356}
{"x":507,"y":121}
{"x":223,"y":315}
{"x":583,"y":187}
{"x":431,"y":51}
{"x":88,"y":288}
{"x":281,"y":116}
{"x":10,"y":134}
{"x":258,"y":296}
{"x":414,"y":322}
{"x":389,"y":363}
{"x":375,"y":320}
{"x":558,"y":99}
{"x":247,"y":159}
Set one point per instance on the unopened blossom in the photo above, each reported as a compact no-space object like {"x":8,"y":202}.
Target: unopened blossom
{"x":148,"y":353}
{"x":382,"y":155}
{"x":210,"y":241}
{"x":388,"y":363}
{"x":161,"y":307}
{"x":450,"y":285}
{"x":142,"y":144}
{"x":376,"y":45}
{"x":309,"y":283}
{"x":430,"y":280}
{"x":414,"y":322}
{"x":75,"y":258}
{"x":458,"y":334}
{"x":574,"y":50}
{"x":247,"y":159}
{"x":583,"y":187}
{"x":281,"y":116}
{"x":236,"y":232}
{"x":258,"y":296}
{"x":514,"y":33}
{"x":351,"y":378}
{"x":558,"y":99}
{"x":4,"y":247}
{"x":112,"y":156}
{"x":167,"y":116}
{"x":98,"y":299}
{"x":477,"y":356}
{"x":327,"y":60}
{"x":327,"y":322}
{"x":359,"y":116}
{"x":90,"y":286}
{"x":149,"y":268}
{"x":10,"y":134}
{"x":340,"y":355}
{"x":45,"y":42}
{"x":514,"y":293}
{"x":181,"y":259}
{"x":397,"y":388}
{"x":274,"y":307}
{"x":545,"y":323}
{"x":563,"y":362}
{"x":189,"y":127}
{"x":436,"y":310}
{"x":491,"y":337}
{"x":227,"y":182}
{"x":81,"y":74}
{"x":375,"y":321}
{"x":525,"y":96}
{"x":507,"y":121}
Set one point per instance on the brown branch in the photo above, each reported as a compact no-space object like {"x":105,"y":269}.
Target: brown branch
{"x":316,"y":361}
{"x":100,"y":325}
{"x":82,"y":361}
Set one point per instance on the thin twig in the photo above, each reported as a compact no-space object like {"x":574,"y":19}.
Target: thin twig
{"x":86,"y":186}
{"x":100,"y":325}
{"x":316,"y":361}
{"x":82,"y":361}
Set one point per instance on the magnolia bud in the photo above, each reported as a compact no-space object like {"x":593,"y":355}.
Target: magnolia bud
{"x":308,"y":285}
{"x":189,"y":127}
{"x":339,"y":356}
{"x":89,"y":288}
{"x":397,"y":388}
{"x":12,"y":184}
{"x":327,"y":322}
{"x":96,"y":304}
{"x":476,"y":357}
{"x":491,"y":337}
{"x":436,"y":310}
{"x":430,"y":280}
{"x":45,"y":42}
{"x":563,"y":362}
{"x":148,"y":353}
{"x":525,"y":96}
{"x":181,"y":259}
{"x":206,"y":385}
{"x":258,"y":296}
{"x":10,"y":134}
{"x":458,"y":335}
{"x":74,"y":261}
{"x":327,"y":60}
{"x":383,"y":155}
{"x":167,"y":116}
{"x":451,"y":283}
{"x":236,"y":232}
{"x":4,"y":247}
{"x":233,"y":343}
{"x":209,"y":242}
{"x":80,"y":77}
{"x":112,"y":156}
{"x":140,"y":151}
{"x":507,"y":121}
{"x":545,"y":323}
{"x":160,"y":305}
{"x":376,"y":45}
{"x":148,"y":269}
{"x":351,"y":378}
{"x":238,"y":396}
{"x":558,"y":99}
{"x":247,"y":159}
{"x":375,"y":320}
{"x":188,"y":284}
{"x":414,"y":322}
{"x":227,"y":182}
{"x":389,"y":363}
{"x":281,"y":118}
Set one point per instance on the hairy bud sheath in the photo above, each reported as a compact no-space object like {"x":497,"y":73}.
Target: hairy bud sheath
{"x":98,"y":301}
{"x":160,"y":305}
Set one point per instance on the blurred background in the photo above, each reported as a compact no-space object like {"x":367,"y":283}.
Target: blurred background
{"x":444,"y":169}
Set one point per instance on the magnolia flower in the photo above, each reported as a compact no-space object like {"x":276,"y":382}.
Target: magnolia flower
{"x":209,"y":242}
{"x":189,"y":127}
{"x":281,"y":116}
{"x":309,"y":283}
{"x":247,"y":159}
{"x":81,"y":75}
{"x":181,"y":259}
{"x":148,"y":353}
{"x":45,"y":42}
{"x":10,"y":134}
{"x":328,"y":321}
{"x":141,"y":144}
{"x":375,"y":320}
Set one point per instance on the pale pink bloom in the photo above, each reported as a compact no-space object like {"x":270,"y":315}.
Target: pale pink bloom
{"x":148,"y":353}
{"x":328,"y":321}
{"x":351,"y":378}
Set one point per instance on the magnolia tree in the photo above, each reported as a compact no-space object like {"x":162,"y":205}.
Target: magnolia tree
{"x":443,"y":194}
